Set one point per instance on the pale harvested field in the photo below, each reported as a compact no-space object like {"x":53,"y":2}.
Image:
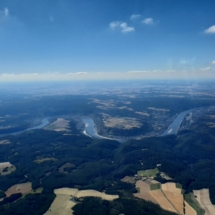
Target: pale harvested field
{"x":122,"y":122}
{"x":165,"y":176}
{"x":211,"y":116}
{"x":176,"y":199}
{"x":158,"y":109}
{"x":19,"y":188}
{"x":210,"y":124}
{"x":189,"y":210}
{"x":144,"y":193}
{"x":62,"y":204}
{"x":107,"y":103}
{"x":173,"y":194}
{"x":171,"y":187}
{"x":94,"y":193}
{"x":44,"y":159}
{"x":60,"y":124}
{"x":203,"y":198}
{"x":142,"y":113}
{"x":162,"y":200}
{"x":2,"y":142}
{"x":66,"y":191}
{"x":128,"y":179}
{"x":8,"y":165}
{"x":124,"y":107}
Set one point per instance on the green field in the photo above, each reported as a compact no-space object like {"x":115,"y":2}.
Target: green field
{"x":178,"y":186}
{"x":191,"y":200}
{"x":155,"y":186}
{"x":138,"y":189}
{"x":148,"y":172}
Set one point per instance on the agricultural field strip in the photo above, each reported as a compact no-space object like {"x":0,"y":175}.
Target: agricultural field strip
{"x":162,"y":200}
{"x":204,"y":200}
{"x":144,"y":193}
{"x":59,"y":204}
{"x":189,"y":210}
{"x":169,"y":201}
{"x":19,"y":188}
{"x":64,"y":195}
{"x":173,"y":194}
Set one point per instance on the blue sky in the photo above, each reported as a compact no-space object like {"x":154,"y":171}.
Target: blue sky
{"x":72,"y":39}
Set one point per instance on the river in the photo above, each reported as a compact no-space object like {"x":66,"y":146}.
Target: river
{"x":175,"y":125}
{"x":44,"y":123}
{"x":90,"y":128}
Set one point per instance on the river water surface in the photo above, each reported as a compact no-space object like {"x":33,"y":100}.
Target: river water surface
{"x":90,"y":128}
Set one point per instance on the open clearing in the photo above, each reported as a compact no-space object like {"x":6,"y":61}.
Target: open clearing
{"x":19,"y":188}
{"x":158,"y":109}
{"x":142,"y":113}
{"x":144,"y":191}
{"x":66,"y":165}
{"x":6,"y":168}
{"x":121,"y":122}
{"x":44,"y":159}
{"x":63,"y":203}
{"x":94,"y":193}
{"x":128,"y":179}
{"x":2,"y":142}
{"x":60,"y":124}
{"x":124,"y":107}
{"x":203,"y":198}
{"x":148,"y":172}
{"x":107,"y":103}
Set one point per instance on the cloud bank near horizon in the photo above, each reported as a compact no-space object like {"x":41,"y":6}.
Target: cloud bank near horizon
{"x":204,"y":73}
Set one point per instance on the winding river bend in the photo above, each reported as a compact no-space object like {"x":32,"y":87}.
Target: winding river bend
{"x":90,"y":128}
{"x":44,"y":123}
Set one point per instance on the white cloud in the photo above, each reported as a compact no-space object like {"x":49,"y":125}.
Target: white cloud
{"x":122,"y":25}
{"x":78,"y":73}
{"x":114,"y":24}
{"x":206,"y":69}
{"x":137,"y":72}
{"x":205,"y":73}
{"x":135,"y":16}
{"x":213,"y":62}
{"x":148,"y":21}
{"x":126,"y":28}
{"x":210,"y":30}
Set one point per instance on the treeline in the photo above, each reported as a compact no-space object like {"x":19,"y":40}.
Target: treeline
{"x":35,"y":204}
{"x":127,"y":206}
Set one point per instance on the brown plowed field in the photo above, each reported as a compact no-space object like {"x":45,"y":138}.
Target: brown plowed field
{"x":176,"y":199}
{"x":162,"y":200}
{"x":144,"y":191}
{"x":19,"y":188}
